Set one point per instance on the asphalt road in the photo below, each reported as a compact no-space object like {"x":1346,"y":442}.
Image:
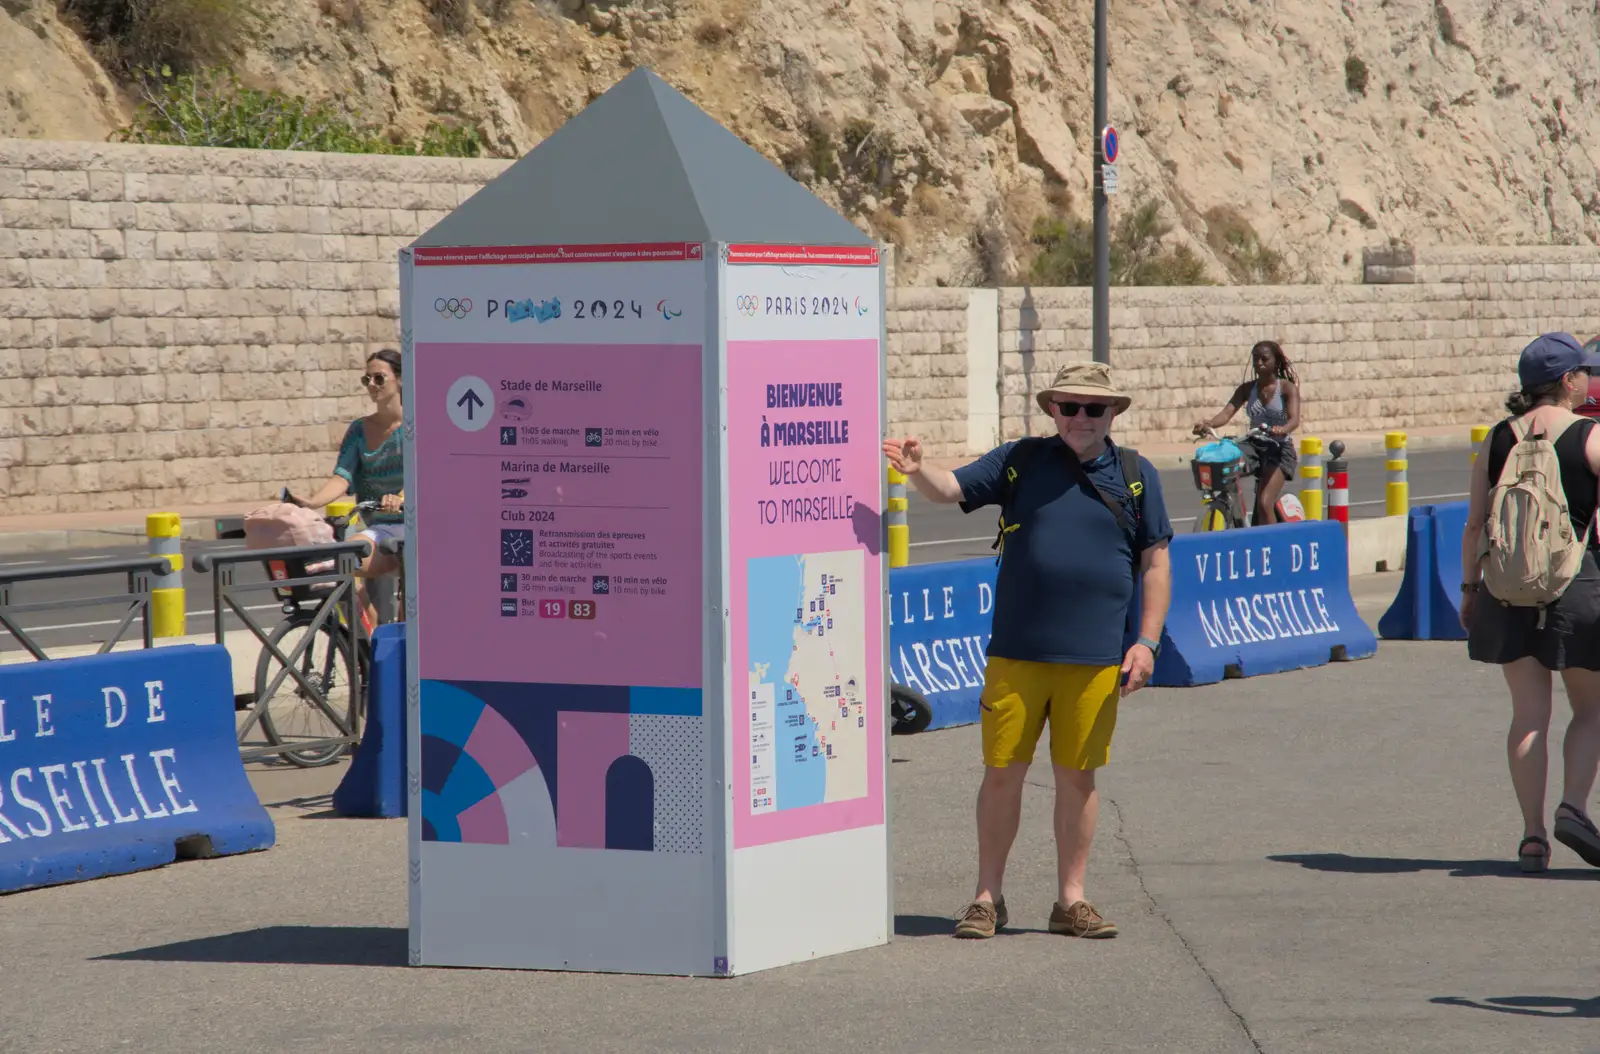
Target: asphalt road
{"x":944,"y":532}
{"x":88,"y":623}
{"x":938,"y":532}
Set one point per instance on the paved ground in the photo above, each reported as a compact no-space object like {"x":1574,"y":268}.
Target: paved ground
{"x":1310,"y":862}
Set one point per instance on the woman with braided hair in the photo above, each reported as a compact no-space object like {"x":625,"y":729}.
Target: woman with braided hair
{"x":1272,"y":402}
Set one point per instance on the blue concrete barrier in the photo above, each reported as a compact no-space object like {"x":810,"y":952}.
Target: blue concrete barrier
{"x":121,"y":762}
{"x":1262,"y":600}
{"x":1428,"y":605}
{"x":375,"y":784}
{"x":939,"y":617}
{"x":1244,"y":603}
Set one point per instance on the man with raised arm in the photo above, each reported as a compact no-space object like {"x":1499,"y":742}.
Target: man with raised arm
{"x":1080,"y":518}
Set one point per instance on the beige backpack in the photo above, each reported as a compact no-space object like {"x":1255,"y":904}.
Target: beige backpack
{"x":1530,"y":551}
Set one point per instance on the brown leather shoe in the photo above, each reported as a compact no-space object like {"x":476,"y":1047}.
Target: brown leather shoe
{"x":1080,"y":920}
{"x":981,"y":919}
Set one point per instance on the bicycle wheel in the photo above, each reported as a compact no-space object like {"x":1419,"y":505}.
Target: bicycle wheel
{"x":910,"y":710}
{"x":290,"y":715}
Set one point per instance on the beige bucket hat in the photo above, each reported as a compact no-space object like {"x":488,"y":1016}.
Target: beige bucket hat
{"x":1089,"y":379}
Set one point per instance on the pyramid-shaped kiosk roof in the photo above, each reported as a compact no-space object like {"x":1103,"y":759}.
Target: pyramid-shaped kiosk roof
{"x":643,"y":164}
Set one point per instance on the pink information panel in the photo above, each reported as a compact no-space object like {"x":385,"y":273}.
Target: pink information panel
{"x":805,"y":528}
{"x":559,"y":463}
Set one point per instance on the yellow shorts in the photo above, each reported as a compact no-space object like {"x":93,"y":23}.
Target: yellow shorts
{"x":1080,"y":702}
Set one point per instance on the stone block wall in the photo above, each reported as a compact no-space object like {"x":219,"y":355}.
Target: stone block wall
{"x":927,"y":356}
{"x":1439,"y":352}
{"x":186,"y":327}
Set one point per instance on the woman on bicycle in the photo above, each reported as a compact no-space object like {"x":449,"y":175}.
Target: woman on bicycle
{"x":1272,"y":402}
{"x":371,"y":463}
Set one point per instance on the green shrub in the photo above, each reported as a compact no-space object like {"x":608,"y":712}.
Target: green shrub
{"x":819,"y":151}
{"x":182,"y":34}
{"x":451,"y":16}
{"x":1239,"y":248}
{"x":212,"y":108}
{"x":1355,"y":75}
{"x":869,"y":152}
{"x":1138,"y":255}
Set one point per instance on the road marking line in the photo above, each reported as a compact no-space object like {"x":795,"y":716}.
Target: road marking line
{"x":1418,"y":501}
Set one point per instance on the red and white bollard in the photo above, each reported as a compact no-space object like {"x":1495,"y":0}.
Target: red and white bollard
{"x":1338,"y":486}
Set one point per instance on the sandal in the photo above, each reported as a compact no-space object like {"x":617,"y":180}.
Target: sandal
{"x":1575,"y":831}
{"x":1537,"y":862}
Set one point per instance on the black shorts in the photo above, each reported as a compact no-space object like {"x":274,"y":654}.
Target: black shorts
{"x":1278,"y":457}
{"x":1570,"y":636}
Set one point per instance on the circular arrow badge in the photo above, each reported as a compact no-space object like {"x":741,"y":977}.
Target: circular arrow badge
{"x":470,"y":403}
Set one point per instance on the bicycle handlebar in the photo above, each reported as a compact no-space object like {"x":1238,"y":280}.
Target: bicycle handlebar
{"x":360,"y":506}
{"x":1251,"y":434}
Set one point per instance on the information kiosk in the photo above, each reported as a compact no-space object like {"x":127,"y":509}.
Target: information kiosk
{"x":644,"y":397}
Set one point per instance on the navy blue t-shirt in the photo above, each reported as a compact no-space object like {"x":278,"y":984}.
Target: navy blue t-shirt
{"x":1066,"y":577}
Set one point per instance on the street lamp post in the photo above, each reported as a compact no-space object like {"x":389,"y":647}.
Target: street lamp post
{"x":1102,"y":211}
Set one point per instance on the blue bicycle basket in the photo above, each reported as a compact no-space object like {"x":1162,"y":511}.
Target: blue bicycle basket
{"x":1219,"y":452}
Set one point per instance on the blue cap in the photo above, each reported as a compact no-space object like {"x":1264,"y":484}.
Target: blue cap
{"x":1551,"y":357}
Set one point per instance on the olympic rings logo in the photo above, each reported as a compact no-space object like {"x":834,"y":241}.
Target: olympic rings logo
{"x":452,"y":308}
{"x":746,"y":305}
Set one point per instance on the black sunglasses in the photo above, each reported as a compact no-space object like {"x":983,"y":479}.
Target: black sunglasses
{"x":371,"y":380}
{"x":1070,"y":409}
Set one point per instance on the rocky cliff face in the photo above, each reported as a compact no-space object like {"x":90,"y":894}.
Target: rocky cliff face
{"x":1311,"y":128}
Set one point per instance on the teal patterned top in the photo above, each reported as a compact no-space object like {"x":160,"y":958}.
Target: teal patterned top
{"x":373,"y":473}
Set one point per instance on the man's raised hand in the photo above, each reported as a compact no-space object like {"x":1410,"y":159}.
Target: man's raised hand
{"x":904,"y":454}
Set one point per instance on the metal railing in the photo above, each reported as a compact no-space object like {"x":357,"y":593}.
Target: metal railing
{"x":339,"y":589}
{"x":141,"y":571}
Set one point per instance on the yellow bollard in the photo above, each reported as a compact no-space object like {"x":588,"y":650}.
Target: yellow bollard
{"x":899,"y":527}
{"x":1311,"y":477}
{"x":1397,"y":493}
{"x":167,"y":608}
{"x":1479,"y":434}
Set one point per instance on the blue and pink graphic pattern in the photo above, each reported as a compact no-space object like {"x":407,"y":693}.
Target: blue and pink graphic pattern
{"x":572,"y":766}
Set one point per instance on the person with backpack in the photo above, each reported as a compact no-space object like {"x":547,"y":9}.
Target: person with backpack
{"x":1530,"y":585}
{"x":1081,"y":521}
